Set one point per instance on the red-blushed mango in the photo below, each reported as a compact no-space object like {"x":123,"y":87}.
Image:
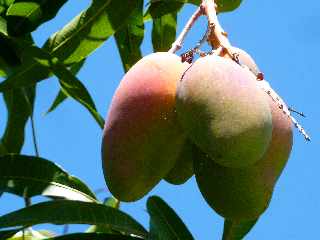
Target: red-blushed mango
{"x":223,"y":113}
{"x":182,"y":171}
{"x":245,"y":193}
{"x":141,"y":139}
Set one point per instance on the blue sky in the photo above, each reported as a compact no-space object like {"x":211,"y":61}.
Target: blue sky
{"x":284,"y":39}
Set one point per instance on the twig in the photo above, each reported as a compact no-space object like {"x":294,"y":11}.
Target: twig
{"x":218,"y":38}
{"x":178,"y":43}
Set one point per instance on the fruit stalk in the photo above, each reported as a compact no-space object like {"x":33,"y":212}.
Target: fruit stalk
{"x":179,"y":41}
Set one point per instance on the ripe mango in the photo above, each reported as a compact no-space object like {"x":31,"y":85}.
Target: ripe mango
{"x":245,"y":193}
{"x":223,"y":112}
{"x":141,"y":138}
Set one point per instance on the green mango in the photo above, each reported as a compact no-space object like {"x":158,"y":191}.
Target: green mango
{"x":223,"y":112}
{"x":245,"y":193}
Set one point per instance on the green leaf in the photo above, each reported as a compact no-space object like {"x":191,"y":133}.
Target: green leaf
{"x":130,"y":37}
{"x":105,"y":228}
{"x":72,"y":87}
{"x":164,"y":222}
{"x":25,"y":16}
{"x":9,"y":233}
{"x":164,"y":31}
{"x":76,"y":40}
{"x":19,"y":104}
{"x":30,"y":234}
{"x":73,"y":212}
{"x":94,"y":236}
{"x":28,"y":176}
{"x":89,"y":29}
{"x":159,"y":8}
{"x":75,"y":68}
{"x":235,"y":230}
{"x":3,"y":26}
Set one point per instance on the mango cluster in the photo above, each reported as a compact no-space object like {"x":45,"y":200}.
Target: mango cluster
{"x":172,"y":120}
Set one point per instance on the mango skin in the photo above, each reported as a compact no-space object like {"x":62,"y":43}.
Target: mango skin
{"x":223,"y":113}
{"x":244,"y":194}
{"x":141,"y":137}
{"x":182,"y":171}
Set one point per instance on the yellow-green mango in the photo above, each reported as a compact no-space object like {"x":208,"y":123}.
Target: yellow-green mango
{"x":223,"y":112}
{"x":244,"y":194}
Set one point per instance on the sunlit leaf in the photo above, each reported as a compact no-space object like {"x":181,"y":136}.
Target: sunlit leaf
{"x":164,"y":222}
{"x":74,"y":69}
{"x":25,"y":16}
{"x":235,"y":230}
{"x":79,"y":38}
{"x":28,"y":176}
{"x":73,"y":212}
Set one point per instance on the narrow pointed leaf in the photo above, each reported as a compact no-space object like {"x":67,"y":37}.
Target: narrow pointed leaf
{"x":130,"y":37}
{"x":28,"y":176}
{"x":105,"y":228}
{"x":234,"y":230}
{"x":25,"y":16}
{"x":78,"y":39}
{"x":164,"y":31}
{"x":19,"y":104}
{"x":90,"y":29}
{"x":73,"y":212}
{"x":94,"y":236}
{"x":74,"y":69}
{"x":70,"y":85}
{"x":164,"y":222}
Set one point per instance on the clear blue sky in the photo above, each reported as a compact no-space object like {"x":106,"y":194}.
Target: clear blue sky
{"x":284,"y":39}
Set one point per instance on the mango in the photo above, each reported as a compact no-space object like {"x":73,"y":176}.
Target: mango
{"x":141,"y":138}
{"x":223,"y":112}
{"x":245,"y":193}
{"x":182,"y":171}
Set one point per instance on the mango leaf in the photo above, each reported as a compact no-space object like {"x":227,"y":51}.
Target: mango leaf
{"x":28,"y":176}
{"x":130,"y":37}
{"x":73,"y":212}
{"x":164,"y":31}
{"x":94,"y":236}
{"x":159,"y":8}
{"x":162,"y":7}
{"x":164,"y":222}
{"x":30,"y":234}
{"x":74,"y":69}
{"x":76,"y":40}
{"x":24,"y":16}
{"x":72,"y":87}
{"x":234,"y":230}
{"x":9,"y":233}
{"x":19,"y":104}
{"x":105,"y":228}
{"x":69,"y":83}
{"x":3,"y":26}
